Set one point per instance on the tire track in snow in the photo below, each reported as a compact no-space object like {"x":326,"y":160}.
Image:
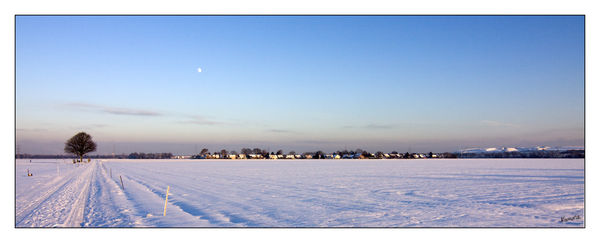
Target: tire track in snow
{"x":75,"y":216}
{"x":57,"y":185}
{"x":25,"y":212}
{"x":106,"y":205}
{"x":182,"y":206}
{"x":148,"y":204}
{"x":49,"y":209}
{"x":222,"y":215}
{"x":219,"y":220}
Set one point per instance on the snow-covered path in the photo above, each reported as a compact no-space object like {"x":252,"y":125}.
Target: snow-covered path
{"x":70,"y":196}
{"x":307,"y":193}
{"x":57,"y":202}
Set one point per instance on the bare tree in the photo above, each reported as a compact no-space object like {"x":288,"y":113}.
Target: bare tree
{"x":319,"y":155}
{"x":204,"y":151}
{"x":223,"y":153}
{"x":358,"y":151}
{"x":246,"y":151}
{"x":366,"y":154}
{"x":80,"y":144}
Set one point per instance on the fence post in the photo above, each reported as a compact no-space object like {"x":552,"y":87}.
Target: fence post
{"x":122,"y":187}
{"x":166,"y":199}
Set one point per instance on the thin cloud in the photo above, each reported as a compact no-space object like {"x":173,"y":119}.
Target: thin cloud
{"x":112,"y":110}
{"x":122,"y":111}
{"x":81,"y":105}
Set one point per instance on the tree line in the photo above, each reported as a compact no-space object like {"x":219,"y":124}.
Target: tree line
{"x":82,"y":144}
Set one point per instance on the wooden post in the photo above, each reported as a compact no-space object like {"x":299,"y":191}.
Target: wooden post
{"x":166,"y":199}
{"x":110,"y":173}
{"x":122,"y":187}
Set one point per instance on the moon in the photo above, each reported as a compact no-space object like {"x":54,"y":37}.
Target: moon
{"x":199,"y":70}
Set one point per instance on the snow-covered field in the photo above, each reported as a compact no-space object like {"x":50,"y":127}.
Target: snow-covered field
{"x":301,"y":193}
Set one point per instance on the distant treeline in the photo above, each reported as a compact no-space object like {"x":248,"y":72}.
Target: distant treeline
{"x":59,"y":156}
{"x":257,"y":153}
{"x":150,"y":156}
{"x":100,"y":156}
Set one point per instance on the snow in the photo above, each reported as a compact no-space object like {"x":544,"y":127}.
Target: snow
{"x":301,"y":193}
{"x":520,"y":149}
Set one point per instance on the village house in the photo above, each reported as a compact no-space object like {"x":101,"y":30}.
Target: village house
{"x":255,"y":156}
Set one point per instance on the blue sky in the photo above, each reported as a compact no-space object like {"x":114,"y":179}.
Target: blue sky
{"x":424,"y":83}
